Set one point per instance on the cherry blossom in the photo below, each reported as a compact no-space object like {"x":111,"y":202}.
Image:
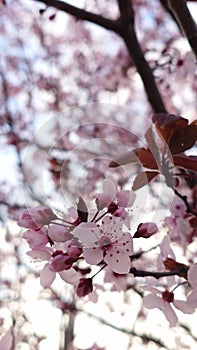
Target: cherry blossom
{"x":35,"y":218}
{"x":107,"y":242}
{"x":59,"y":261}
{"x":59,"y":233}
{"x":36,"y":239}
{"x":146,"y":230}
{"x":165,"y":301}
{"x":116,"y":201}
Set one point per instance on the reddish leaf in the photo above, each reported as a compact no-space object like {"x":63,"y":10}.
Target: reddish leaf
{"x":186,"y":162}
{"x":168,"y":124}
{"x":147,"y":159}
{"x":125,"y":158}
{"x":173,"y":265}
{"x":143,"y":179}
{"x":183,"y":139}
{"x":82,"y":210}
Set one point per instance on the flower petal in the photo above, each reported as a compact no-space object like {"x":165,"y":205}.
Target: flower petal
{"x":170,"y":314}
{"x":93,"y":255}
{"x":119,"y":263}
{"x":191,"y":276}
{"x":70,"y":276}
{"x":47,"y":276}
{"x":125,"y":198}
{"x":152,"y":301}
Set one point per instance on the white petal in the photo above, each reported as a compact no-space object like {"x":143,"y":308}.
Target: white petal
{"x":44,"y":254}
{"x":70,"y":276}
{"x":87,"y":233}
{"x":192,"y":276}
{"x":47,"y":276}
{"x":109,"y":188}
{"x":93,"y":255}
{"x":152,"y":301}
{"x":185,"y":306}
{"x":119,"y":263}
{"x":170,"y":314}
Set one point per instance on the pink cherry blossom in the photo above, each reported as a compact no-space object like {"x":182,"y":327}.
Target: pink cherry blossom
{"x":59,"y":233}
{"x":106,"y":241}
{"x":58,"y":261}
{"x":118,"y":281}
{"x":37,"y":217}
{"x":113,"y":199}
{"x":165,"y":301}
{"x":146,"y":230}
{"x":36,"y":239}
{"x":180,"y":230}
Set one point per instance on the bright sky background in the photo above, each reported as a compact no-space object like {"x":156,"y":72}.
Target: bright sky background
{"x":45,"y":317}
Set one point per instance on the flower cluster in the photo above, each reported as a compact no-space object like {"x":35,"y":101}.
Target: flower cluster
{"x":63,"y":241}
{"x":71,"y":244}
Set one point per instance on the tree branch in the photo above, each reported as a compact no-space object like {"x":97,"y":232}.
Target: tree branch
{"x":129,"y":36}
{"x":155,"y":274}
{"x":82,"y":14}
{"x":144,"y":337}
{"x":185,"y":20}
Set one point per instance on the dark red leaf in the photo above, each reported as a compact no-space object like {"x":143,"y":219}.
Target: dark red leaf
{"x":186,"y":162}
{"x":143,"y":179}
{"x":168,"y":124}
{"x":146,"y":158}
{"x":183,"y":139}
{"x":173,"y":265}
{"x":82,"y":210}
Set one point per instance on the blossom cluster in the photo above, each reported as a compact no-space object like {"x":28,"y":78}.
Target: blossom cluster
{"x":103,"y":238}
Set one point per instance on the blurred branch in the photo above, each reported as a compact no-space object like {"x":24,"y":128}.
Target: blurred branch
{"x":185,"y":20}
{"x":130,"y":38}
{"x":145,"y":338}
{"x":124,"y":26}
{"x":83,"y":14}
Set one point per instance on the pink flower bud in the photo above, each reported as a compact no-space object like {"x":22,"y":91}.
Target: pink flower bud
{"x":74,"y":251}
{"x":146,"y":230}
{"x":62,"y":262}
{"x":84,"y":287}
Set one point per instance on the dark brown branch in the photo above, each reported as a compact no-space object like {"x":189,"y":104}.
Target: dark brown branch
{"x":129,"y":36}
{"x":184,"y":199}
{"x":83,"y":14}
{"x":164,"y":3}
{"x":185,"y":20}
{"x":125,"y":28}
{"x":155,"y":274}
